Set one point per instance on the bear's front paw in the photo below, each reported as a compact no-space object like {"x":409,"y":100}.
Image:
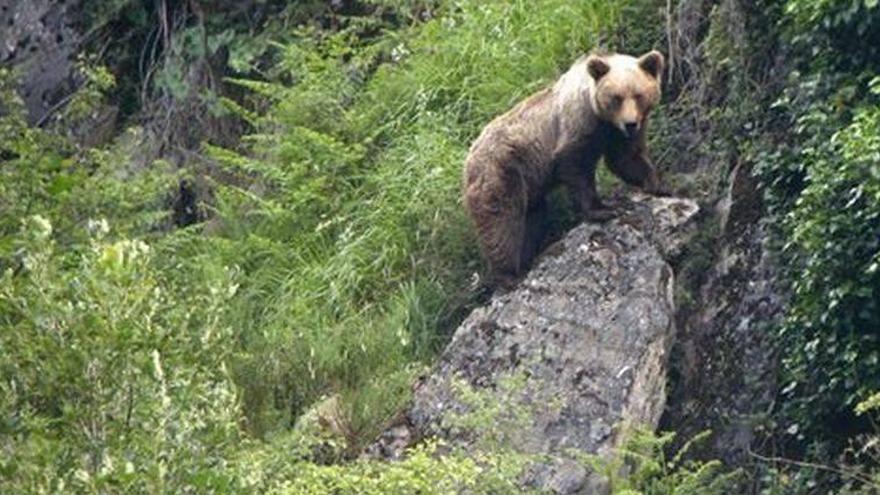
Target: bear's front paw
{"x":654,"y":187}
{"x":600,"y":214}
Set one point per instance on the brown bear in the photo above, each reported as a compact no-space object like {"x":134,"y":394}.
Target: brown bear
{"x":598,"y":108}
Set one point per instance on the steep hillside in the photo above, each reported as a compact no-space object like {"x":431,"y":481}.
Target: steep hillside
{"x":231,"y":237}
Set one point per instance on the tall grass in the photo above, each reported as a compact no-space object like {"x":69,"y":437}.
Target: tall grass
{"x":364,"y":253}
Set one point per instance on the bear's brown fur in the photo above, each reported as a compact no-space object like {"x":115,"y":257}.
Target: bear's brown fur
{"x":597,"y":108}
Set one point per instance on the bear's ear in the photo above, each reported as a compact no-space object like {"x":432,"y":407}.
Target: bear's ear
{"x":652,"y":63}
{"x":597,"y":67}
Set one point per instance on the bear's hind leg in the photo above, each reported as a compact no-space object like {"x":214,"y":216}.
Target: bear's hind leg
{"x":502,"y":239}
{"x":497,"y":207}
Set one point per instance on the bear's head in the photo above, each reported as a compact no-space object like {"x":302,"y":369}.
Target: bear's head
{"x":626,"y":88}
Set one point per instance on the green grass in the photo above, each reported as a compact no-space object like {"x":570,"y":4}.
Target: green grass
{"x":366,"y":251}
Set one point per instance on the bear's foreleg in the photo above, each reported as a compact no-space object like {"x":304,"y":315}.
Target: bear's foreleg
{"x":628,"y":159}
{"x":579,"y":176}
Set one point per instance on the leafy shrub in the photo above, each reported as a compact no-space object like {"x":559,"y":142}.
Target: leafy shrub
{"x":842,"y":34}
{"x":112,"y":380}
{"x":834,"y":245}
{"x":821,"y":180}
{"x":820,"y":184}
{"x":855,"y":472}
{"x":644,"y":466}
{"x":423,"y":471}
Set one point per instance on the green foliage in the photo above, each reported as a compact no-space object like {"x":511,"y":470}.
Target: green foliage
{"x":112,"y":379}
{"x":842,"y":33}
{"x":805,"y":117}
{"x":44,"y":173}
{"x":644,"y":466}
{"x":824,"y":186}
{"x":639,"y":468}
{"x":31,"y":162}
{"x":817,"y":159}
{"x":421,"y":472}
{"x":856,"y":471}
{"x":498,"y":417}
{"x":834,"y":244}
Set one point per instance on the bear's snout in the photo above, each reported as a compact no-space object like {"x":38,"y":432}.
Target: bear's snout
{"x":631,"y":129}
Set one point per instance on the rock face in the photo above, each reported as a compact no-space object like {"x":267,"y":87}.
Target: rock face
{"x":724,"y":364}
{"x":725,"y":361}
{"x":39,"y":39}
{"x":584,"y":340}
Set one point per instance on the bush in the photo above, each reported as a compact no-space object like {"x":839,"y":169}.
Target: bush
{"x":112,"y":378}
{"x":838,"y":34}
{"x":645,"y":465}
{"x":834,"y":247}
{"x":823,"y":186}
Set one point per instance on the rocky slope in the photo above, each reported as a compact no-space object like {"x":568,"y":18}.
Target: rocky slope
{"x":579,"y":350}
{"x":724,"y":363}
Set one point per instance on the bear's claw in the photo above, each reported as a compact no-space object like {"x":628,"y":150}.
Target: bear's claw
{"x":600,"y":214}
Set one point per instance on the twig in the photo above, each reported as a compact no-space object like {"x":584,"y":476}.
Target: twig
{"x":163,"y":20}
{"x":130,"y":407}
{"x":670,"y":42}
{"x":57,"y":106}
{"x":823,"y":467}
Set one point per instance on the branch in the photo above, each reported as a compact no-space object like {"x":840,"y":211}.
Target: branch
{"x":822,"y":467}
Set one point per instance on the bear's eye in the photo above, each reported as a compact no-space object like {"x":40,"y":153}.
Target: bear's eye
{"x":617,"y":100}
{"x":639,"y":97}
